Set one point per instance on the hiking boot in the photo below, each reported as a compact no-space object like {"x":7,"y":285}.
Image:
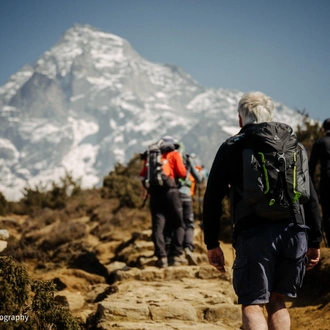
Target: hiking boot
{"x":162,"y":262}
{"x":177,"y":261}
{"x":191,"y":258}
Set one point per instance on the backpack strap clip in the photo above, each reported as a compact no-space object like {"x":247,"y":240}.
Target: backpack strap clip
{"x":282,"y":162}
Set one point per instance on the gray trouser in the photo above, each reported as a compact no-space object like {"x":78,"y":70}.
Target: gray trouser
{"x":189,"y":225}
{"x":188,"y":219}
{"x":166,"y":212}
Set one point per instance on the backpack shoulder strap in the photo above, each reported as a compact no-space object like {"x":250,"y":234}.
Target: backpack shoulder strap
{"x":303,"y":178}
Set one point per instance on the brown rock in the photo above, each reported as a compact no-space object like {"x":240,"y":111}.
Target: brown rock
{"x":227,"y":312}
{"x":174,"y":310}
{"x":4,"y":235}
{"x":95,"y":291}
{"x":122,"y":310}
{"x":106,"y":251}
{"x":3,"y":245}
{"x":208,"y":272}
{"x":100,"y":292}
{"x":75,"y":300}
{"x":168,"y":325}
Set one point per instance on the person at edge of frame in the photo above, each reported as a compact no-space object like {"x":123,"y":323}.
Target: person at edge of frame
{"x":321,"y":152}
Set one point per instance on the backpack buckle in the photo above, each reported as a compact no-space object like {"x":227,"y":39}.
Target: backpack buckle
{"x":282,"y":162}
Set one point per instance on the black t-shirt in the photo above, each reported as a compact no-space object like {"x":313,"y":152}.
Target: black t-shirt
{"x":225,"y":177}
{"x":321,"y":152}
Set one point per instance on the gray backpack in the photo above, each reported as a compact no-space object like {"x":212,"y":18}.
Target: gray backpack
{"x":275,"y":172}
{"x":155,"y":180}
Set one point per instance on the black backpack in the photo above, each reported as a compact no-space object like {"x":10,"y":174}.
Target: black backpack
{"x":275,"y":172}
{"x":157,"y":178}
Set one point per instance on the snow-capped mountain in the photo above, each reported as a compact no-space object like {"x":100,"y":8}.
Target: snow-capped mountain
{"x":91,"y":101}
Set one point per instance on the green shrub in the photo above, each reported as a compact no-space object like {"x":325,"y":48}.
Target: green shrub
{"x":22,"y":250}
{"x":63,"y":233}
{"x":124,"y":183}
{"x":308,"y":132}
{"x":32,"y":299}
{"x":14,"y":284}
{"x":57,"y":197}
{"x":3,"y":204}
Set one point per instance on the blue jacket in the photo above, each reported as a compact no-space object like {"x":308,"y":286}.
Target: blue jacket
{"x":186,"y":184}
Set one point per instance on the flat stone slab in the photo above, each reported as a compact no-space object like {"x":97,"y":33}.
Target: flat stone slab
{"x":122,"y":310}
{"x":167,"y":325}
{"x":3,"y":245}
{"x":4,"y":235}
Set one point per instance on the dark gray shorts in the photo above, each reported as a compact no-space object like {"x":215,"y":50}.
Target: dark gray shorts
{"x":269,"y":258}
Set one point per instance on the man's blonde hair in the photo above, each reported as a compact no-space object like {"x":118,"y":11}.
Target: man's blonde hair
{"x":255,"y":107}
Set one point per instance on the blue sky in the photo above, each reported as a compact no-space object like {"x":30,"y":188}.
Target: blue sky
{"x":280,"y":47}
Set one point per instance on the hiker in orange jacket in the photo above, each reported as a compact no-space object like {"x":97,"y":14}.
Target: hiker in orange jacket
{"x":165,"y":205}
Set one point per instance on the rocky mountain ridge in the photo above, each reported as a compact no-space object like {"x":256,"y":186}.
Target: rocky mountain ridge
{"x":91,"y":101}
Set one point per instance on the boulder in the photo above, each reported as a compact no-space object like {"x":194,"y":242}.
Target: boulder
{"x":4,"y":235}
{"x":3,"y":245}
{"x":74,"y":300}
{"x":228,"y":312}
{"x":173,"y":310}
{"x":116,"y":311}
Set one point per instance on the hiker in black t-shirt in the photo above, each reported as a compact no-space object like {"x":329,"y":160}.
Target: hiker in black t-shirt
{"x":321,"y":152}
{"x":271,"y":254}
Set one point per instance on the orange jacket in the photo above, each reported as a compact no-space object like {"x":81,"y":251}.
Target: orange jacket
{"x":174,"y":167}
{"x":193,"y":181}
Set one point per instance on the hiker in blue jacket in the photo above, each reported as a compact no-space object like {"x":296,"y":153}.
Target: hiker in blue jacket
{"x":271,"y":255}
{"x":185,"y":186}
{"x":186,"y":192}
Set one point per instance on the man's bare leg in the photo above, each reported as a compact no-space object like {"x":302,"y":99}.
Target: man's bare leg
{"x":278,"y":314}
{"x":253,"y":317}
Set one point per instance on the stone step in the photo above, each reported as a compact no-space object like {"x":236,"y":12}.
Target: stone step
{"x":184,"y":297}
{"x":4,"y":235}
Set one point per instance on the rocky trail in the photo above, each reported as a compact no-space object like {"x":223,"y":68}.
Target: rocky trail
{"x":174,"y":298}
{"x":114,"y":283}
{"x":144,"y":296}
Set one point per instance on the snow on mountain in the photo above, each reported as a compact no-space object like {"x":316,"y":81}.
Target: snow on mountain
{"x":91,"y":101}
